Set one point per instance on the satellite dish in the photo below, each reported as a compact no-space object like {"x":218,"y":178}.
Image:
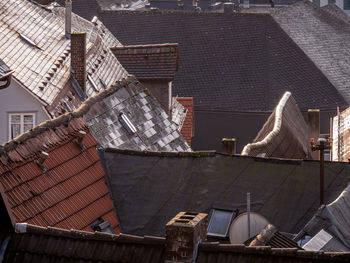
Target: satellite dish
{"x":239,"y":227}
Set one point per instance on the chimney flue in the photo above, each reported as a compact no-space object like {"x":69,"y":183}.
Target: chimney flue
{"x":78,"y":58}
{"x":68,"y":19}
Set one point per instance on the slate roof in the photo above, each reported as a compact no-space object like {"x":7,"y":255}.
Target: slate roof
{"x":324,"y":37}
{"x":154,"y":130}
{"x":32,"y":243}
{"x":159,"y":185}
{"x":284,"y":135}
{"x":69,"y":191}
{"x":247,"y":60}
{"x":149,"y":62}
{"x":336,"y":11}
{"x":40,"y":54}
{"x":333,"y":218}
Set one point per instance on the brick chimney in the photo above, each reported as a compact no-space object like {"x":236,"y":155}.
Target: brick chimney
{"x":182,"y":234}
{"x":314,"y":129}
{"x":68,"y":18}
{"x":78,"y":58}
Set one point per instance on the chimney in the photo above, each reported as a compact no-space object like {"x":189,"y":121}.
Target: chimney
{"x":228,"y":8}
{"x":68,"y":20}
{"x":78,"y":58}
{"x":314,"y":129}
{"x":182,"y":235}
{"x":228,"y":145}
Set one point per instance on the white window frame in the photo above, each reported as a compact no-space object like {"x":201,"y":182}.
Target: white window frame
{"x":21,"y":121}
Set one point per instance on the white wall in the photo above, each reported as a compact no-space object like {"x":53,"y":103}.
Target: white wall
{"x":16,"y":99}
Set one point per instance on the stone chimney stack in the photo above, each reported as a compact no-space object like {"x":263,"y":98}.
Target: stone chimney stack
{"x":314,"y":129}
{"x":228,"y":8}
{"x":68,"y":19}
{"x":78,"y":58}
{"x":182,"y":235}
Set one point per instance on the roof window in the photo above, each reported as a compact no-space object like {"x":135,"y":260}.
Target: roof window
{"x":29,"y":41}
{"x":102,"y":226}
{"x":92,"y":83}
{"x":127,"y":124}
{"x":220,"y":221}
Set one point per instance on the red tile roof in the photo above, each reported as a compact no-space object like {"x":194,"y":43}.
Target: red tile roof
{"x":71,"y":194}
{"x":149,"y":61}
{"x":187,"y":130}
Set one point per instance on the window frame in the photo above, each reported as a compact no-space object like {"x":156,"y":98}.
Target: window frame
{"x":233,"y":212}
{"x":21,"y":114}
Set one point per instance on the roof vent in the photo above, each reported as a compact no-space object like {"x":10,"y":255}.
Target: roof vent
{"x":127,"y":124}
{"x":41,"y":160}
{"x":79,"y":140}
{"x":68,"y":18}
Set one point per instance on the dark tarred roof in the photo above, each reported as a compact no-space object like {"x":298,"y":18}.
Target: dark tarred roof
{"x":71,"y":194}
{"x":187,"y":126}
{"x":148,"y":62}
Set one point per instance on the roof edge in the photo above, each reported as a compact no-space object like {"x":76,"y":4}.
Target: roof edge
{"x":163,"y":154}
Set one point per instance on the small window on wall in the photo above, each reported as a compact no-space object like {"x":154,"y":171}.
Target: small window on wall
{"x":20,"y":123}
{"x":346,"y":4}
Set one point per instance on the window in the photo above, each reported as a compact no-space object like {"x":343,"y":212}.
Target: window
{"x":19,"y":123}
{"x":219,"y":223}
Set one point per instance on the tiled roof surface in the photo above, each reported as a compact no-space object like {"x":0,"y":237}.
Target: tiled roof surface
{"x":187,"y":127}
{"x":267,"y":2}
{"x":178,"y":113}
{"x":149,"y":61}
{"x":84,"y":8}
{"x":229,"y":62}
{"x":284,"y":135}
{"x":283,"y":191}
{"x":334,"y":10}
{"x":38,"y":244}
{"x":32,"y":42}
{"x":71,"y":193}
{"x":324,"y":37}
{"x":215,"y":252}
{"x":154,"y":130}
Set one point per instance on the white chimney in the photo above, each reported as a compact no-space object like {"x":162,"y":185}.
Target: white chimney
{"x":68,"y":20}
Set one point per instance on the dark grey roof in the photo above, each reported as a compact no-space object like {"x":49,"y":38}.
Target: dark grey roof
{"x":246,"y":63}
{"x":149,"y":189}
{"x":154,"y":130}
{"x":30,"y":243}
{"x":334,"y":10}
{"x":333,"y":218}
{"x":324,"y":37}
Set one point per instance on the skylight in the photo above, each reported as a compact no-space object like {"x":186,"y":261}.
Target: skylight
{"x":127,"y":124}
{"x":92,"y":83}
{"x":219,"y":223}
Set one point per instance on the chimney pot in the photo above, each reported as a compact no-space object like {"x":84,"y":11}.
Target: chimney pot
{"x":68,"y":18}
{"x":228,"y":8}
{"x":228,"y":145}
{"x":78,"y":58}
{"x":182,"y":234}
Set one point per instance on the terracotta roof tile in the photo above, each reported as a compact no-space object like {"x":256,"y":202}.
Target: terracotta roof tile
{"x":71,"y":192}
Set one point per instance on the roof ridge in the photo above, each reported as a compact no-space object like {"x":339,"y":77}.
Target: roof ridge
{"x":145,"y":46}
{"x":23,"y":228}
{"x":67,"y":117}
{"x":210,"y":153}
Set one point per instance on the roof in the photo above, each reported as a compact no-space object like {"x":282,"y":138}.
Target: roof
{"x":340,"y":127}
{"x":323,"y":36}
{"x":336,"y":11}
{"x":32,"y":243}
{"x":5,"y":75}
{"x":154,"y":130}
{"x":270,"y":236}
{"x":48,"y":178}
{"x":247,"y":61}
{"x":215,"y":252}
{"x":284,"y":135}
{"x":333,"y":218}
{"x":199,"y":181}
{"x":40,"y":54}
{"x":187,"y":129}
{"x":149,"y":62}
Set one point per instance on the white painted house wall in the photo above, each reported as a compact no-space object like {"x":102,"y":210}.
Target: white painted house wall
{"x":15,"y":99}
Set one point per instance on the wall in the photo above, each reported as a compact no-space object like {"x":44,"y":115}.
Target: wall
{"x":160,"y":90}
{"x":212,"y":126}
{"x":16,"y":99}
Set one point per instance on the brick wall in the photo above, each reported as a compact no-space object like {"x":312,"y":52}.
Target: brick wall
{"x":160,"y":90}
{"x":187,"y":130}
{"x":78,"y":57}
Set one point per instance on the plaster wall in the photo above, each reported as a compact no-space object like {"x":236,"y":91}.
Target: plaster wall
{"x":15,"y":99}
